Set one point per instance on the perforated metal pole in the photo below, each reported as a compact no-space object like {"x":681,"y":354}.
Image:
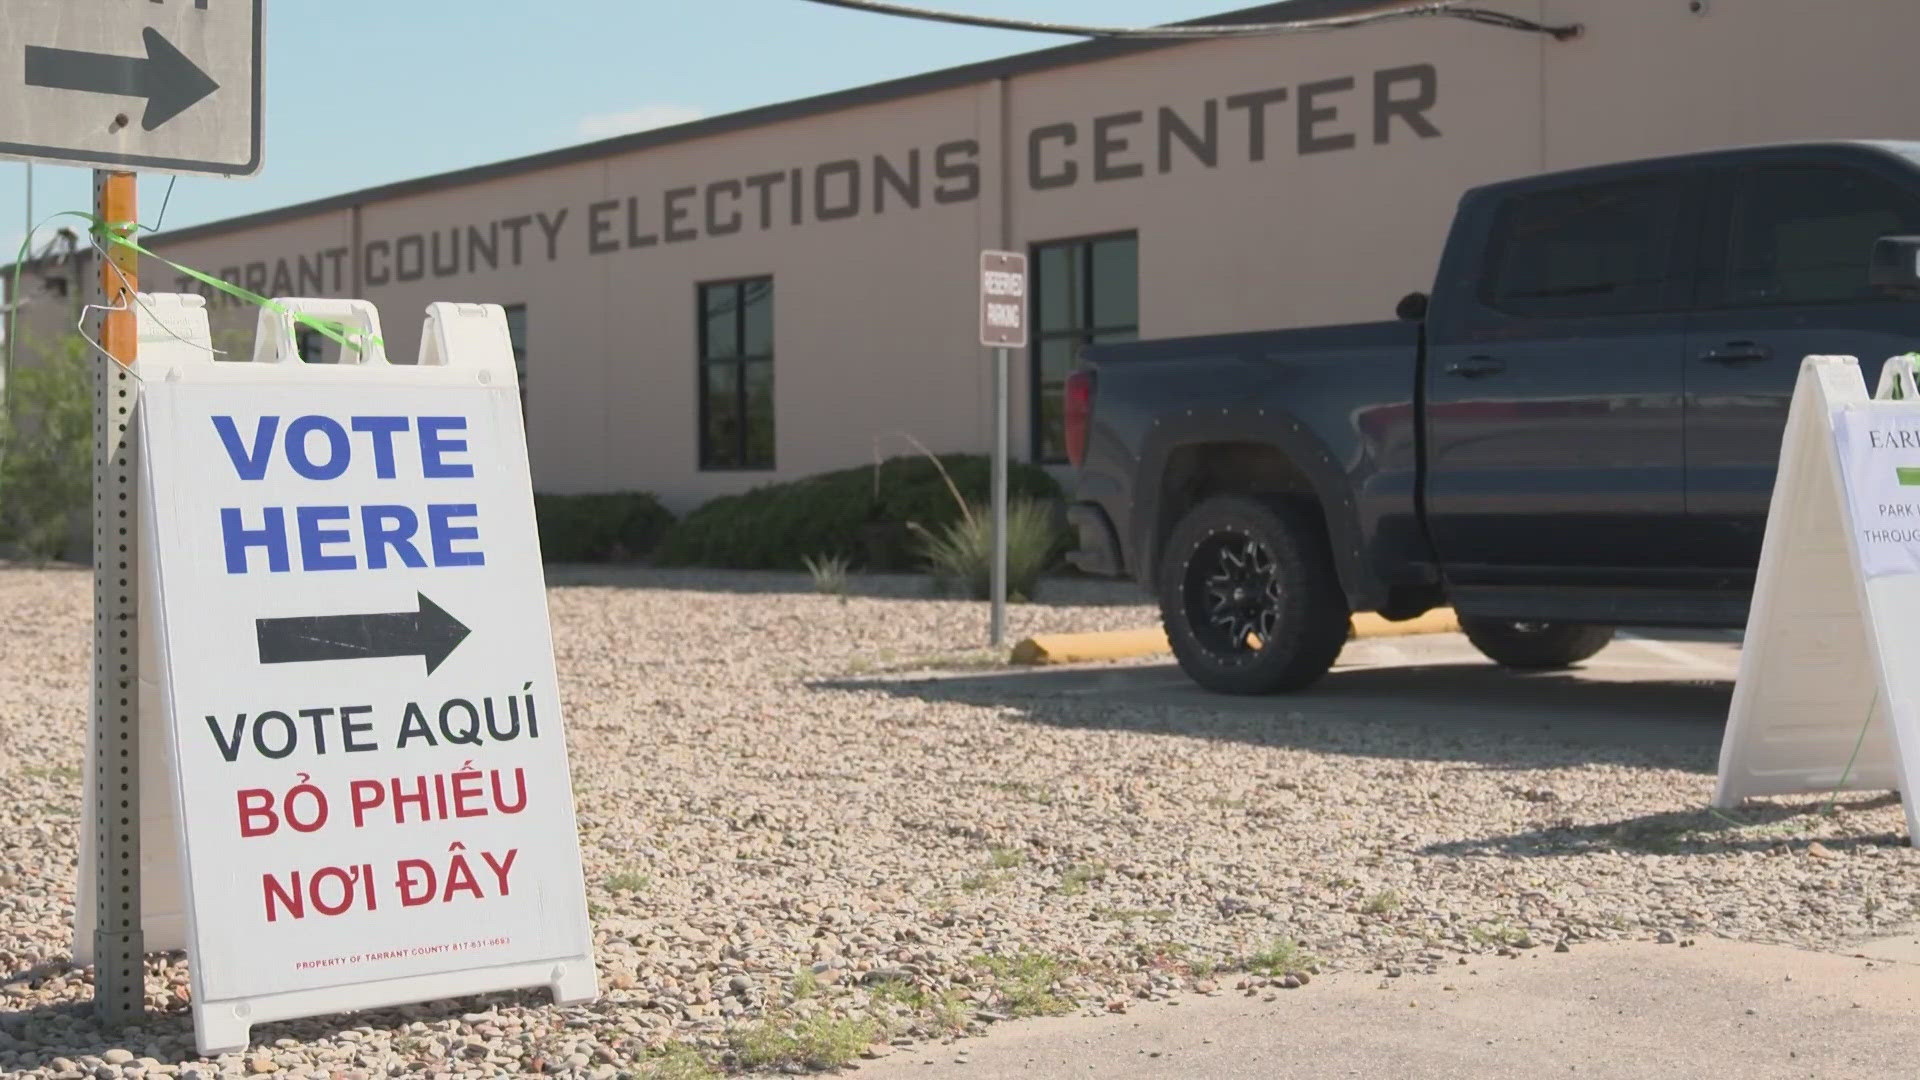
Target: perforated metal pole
{"x":998,"y":631}
{"x":119,"y":947}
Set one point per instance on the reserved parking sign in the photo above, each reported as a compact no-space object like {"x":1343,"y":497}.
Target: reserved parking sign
{"x":368,"y":751}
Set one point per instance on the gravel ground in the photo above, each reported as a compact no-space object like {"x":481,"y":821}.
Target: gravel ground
{"x":799,"y":850}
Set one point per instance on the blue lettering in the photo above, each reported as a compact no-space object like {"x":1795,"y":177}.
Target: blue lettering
{"x":390,"y":527}
{"x":297,"y":456}
{"x":444,"y":534}
{"x":382,"y":428}
{"x":432,"y":446}
{"x":272,"y":536}
{"x":313,"y":538}
{"x":249,"y":465}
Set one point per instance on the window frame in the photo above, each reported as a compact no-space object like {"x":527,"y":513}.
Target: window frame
{"x":1083,"y":331}
{"x":739,"y":362}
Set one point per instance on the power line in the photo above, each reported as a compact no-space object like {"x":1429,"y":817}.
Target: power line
{"x":1449,"y":9}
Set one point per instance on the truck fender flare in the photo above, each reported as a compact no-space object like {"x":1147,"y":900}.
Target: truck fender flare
{"x":1261,"y":427}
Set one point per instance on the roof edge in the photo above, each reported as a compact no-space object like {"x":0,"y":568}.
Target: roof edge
{"x":932,"y":82}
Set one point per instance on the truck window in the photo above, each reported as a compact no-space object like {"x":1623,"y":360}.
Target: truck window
{"x":1802,"y":234}
{"x":1600,"y":249}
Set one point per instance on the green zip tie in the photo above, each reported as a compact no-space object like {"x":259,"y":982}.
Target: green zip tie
{"x":121,"y":233}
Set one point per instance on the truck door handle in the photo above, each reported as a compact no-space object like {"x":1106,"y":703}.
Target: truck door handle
{"x":1738,"y":353}
{"x":1476,"y":367}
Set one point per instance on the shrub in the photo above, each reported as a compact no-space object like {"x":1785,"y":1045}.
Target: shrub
{"x":864,"y":514}
{"x":46,"y":447}
{"x":599,"y":528}
{"x":829,"y":573}
{"x":960,"y":555}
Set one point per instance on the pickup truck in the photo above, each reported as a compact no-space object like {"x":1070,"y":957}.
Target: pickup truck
{"x":1577,"y":428}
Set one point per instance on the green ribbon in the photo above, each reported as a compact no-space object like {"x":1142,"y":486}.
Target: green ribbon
{"x":121,"y":233}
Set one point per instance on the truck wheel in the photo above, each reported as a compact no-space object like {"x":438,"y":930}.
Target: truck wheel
{"x":1535,"y":646}
{"x":1250,"y":598}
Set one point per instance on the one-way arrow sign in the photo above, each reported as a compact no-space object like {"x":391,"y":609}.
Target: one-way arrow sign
{"x":133,"y":86}
{"x":430,"y":633}
{"x":169,"y":81}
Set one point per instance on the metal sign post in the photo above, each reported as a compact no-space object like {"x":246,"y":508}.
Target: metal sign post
{"x":173,"y":88}
{"x":119,"y":947}
{"x":1003,"y":326}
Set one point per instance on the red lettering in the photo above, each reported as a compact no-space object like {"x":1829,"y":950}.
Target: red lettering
{"x":292,"y":901}
{"x":367,"y":795}
{"x":255,"y":804}
{"x":466,"y":786}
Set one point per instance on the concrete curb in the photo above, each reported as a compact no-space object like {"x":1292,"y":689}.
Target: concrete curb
{"x":1133,"y":644}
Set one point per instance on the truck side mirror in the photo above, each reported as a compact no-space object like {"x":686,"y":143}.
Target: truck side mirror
{"x":1896,"y":265}
{"x":1412,"y":307}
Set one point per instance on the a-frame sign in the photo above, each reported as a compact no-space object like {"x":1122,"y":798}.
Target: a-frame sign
{"x":1828,"y":696}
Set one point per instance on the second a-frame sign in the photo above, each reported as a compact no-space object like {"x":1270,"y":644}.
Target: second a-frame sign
{"x":1829,"y":687}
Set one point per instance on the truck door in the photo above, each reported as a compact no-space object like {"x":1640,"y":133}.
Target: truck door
{"x":1553,"y":383}
{"x":1785,"y":277}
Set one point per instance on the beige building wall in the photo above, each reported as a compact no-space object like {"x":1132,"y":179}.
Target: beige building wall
{"x":1336,"y":208}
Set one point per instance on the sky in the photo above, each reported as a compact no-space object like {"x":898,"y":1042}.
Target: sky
{"x":364,"y":92}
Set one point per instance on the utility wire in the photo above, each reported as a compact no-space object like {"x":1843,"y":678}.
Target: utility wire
{"x":1450,"y":9}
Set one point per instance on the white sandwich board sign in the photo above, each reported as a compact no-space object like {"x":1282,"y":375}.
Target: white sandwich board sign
{"x":1828,"y":695}
{"x":363,"y":751}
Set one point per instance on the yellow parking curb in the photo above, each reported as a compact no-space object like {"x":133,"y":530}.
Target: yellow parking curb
{"x":1437,"y":621}
{"x":1132,"y":644}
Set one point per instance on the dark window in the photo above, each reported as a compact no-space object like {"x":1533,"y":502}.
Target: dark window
{"x":1803,"y":234}
{"x":1604,"y":249}
{"x":517,"y":335}
{"x":313,"y":346}
{"x":736,"y":374}
{"x":1085,"y":291}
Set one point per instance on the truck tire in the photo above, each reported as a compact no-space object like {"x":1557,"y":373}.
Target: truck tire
{"x":1250,"y":598}
{"x":1535,"y":646}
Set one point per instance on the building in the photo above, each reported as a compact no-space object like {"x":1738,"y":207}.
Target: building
{"x":777,"y":292}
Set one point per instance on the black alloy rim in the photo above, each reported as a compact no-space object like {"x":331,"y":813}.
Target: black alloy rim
{"x":1233,"y":594}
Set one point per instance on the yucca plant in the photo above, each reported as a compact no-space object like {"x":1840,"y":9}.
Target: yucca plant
{"x":829,"y":573}
{"x":960,"y":554}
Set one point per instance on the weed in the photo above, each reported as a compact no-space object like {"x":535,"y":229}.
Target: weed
{"x":1024,"y":983}
{"x":1280,"y":958}
{"x":628,"y":881}
{"x":829,"y":573}
{"x":1219,"y":802}
{"x":980,"y":882}
{"x":960,"y":555}
{"x":951,"y":1010}
{"x":805,"y":984}
{"x":1005,"y":858}
{"x":1074,"y":881}
{"x":675,"y":1061}
{"x":1496,"y":934}
{"x":816,"y":1042}
{"x":1382,"y":902}
{"x":64,"y":773}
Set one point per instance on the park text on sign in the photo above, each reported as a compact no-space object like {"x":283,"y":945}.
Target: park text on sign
{"x":359,"y":681}
{"x":154,"y":86}
{"x":1003,"y":300}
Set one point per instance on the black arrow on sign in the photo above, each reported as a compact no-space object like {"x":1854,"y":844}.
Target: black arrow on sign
{"x":169,"y":81}
{"x":430,"y":633}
